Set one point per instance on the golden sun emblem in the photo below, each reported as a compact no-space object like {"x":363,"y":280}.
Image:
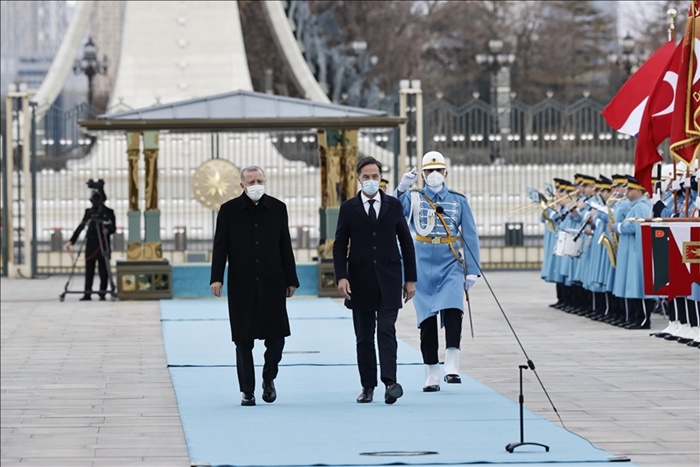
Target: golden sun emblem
{"x":215,"y":182}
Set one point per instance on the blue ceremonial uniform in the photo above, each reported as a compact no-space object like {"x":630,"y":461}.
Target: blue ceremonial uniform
{"x":440,"y":282}
{"x":629,"y":279}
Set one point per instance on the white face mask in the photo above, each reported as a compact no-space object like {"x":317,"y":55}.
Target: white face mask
{"x":370,"y":187}
{"x":255,"y":192}
{"x":434,"y":180}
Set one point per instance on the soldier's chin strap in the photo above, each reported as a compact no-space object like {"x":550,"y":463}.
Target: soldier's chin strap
{"x":530,"y":363}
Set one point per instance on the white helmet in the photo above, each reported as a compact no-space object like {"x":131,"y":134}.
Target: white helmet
{"x":667,"y":171}
{"x":433,"y":160}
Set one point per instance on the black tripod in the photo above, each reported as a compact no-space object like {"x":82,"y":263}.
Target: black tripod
{"x":521,"y":399}
{"x":105,"y":252}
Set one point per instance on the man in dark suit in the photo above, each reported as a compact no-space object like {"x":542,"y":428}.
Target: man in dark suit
{"x":252,"y":234}
{"x":370,"y":276}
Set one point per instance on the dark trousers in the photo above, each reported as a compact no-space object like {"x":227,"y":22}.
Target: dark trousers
{"x":246,"y":367}
{"x":429,"y":334}
{"x":364,"y":322}
{"x":90,"y":261}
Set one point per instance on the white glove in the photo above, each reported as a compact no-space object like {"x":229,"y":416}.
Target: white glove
{"x":407,"y":180}
{"x":675,"y":185}
{"x":697,"y":202}
{"x":655,"y":198}
{"x":587,"y":216}
{"x":469,"y":281}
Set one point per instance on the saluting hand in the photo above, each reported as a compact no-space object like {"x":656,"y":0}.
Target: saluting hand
{"x":344,"y":289}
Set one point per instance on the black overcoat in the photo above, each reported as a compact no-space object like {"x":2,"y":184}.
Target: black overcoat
{"x":373,"y":264}
{"x":255,"y":242}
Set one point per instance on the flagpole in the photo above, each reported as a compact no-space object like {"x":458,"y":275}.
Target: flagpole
{"x":672,"y":13}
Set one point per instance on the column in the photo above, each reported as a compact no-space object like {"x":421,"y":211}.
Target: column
{"x":134,"y":250}
{"x":153,"y":247}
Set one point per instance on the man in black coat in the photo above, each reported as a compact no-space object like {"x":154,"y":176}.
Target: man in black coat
{"x":100,"y":223}
{"x":252,"y":234}
{"x":370,"y":276}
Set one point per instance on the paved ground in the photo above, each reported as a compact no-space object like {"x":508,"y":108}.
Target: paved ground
{"x":86,"y":383}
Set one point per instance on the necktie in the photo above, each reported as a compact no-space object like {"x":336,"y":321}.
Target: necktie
{"x":372,"y":212}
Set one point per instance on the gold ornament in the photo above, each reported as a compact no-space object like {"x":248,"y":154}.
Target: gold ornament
{"x":215,"y":182}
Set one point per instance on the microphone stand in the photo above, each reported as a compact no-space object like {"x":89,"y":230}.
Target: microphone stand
{"x":521,"y":399}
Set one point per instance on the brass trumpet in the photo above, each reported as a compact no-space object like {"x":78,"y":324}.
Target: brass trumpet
{"x":544,"y":203}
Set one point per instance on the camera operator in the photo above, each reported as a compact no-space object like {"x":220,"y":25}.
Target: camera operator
{"x":99,"y":220}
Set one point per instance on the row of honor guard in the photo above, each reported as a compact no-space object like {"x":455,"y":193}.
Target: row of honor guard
{"x":592,"y":249}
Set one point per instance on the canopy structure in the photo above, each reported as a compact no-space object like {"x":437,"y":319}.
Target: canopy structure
{"x":242,"y":110}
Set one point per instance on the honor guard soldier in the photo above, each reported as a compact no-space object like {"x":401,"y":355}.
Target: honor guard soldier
{"x":442,"y":219}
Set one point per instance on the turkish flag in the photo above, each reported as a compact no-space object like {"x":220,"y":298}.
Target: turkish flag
{"x":624,"y":112}
{"x":656,"y":121}
{"x":685,"y":128}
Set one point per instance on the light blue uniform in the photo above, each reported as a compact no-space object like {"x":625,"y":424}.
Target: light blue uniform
{"x":620,"y":210}
{"x":440,"y":282}
{"x":629,"y":274}
{"x":599,"y":262}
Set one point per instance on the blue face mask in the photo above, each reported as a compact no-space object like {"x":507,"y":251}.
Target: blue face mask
{"x":370,"y":187}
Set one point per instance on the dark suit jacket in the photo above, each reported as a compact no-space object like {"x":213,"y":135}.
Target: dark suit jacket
{"x":255,"y":242}
{"x":373,"y":265}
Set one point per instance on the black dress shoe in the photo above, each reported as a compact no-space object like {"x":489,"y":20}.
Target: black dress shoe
{"x":393,"y":392}
{"x":431,"y":388}
{"x":269,"y":392}
{"x":366,"y":396}
{"x":248,"y":399}
{"x":694,"y":343}
{"x":453,"y":379}
{"x":638,"y":326}
{"x":86,"y":298}
{"x":671,"y":337}
{"x":102,"y":297}
{"x":556,"y":305}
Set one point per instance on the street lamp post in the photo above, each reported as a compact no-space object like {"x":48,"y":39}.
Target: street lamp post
{"x":627,"y":59}
{"x":498,"y":64}
{"x":90,"y":65}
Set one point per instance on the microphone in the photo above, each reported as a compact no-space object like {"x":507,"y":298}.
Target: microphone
{"x":439,"y":210}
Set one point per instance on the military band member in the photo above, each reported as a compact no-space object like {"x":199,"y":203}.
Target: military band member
{"x":551,"y":269}
{"x":629,"y":279}
{"x":599,"y":260}
{"x":440,"y":217}
{"x":617,"y":314}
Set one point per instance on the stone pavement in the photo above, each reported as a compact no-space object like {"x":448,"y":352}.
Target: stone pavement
{"x":86,"y":383}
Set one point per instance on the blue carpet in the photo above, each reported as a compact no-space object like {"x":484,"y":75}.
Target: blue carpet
{"x":316,"y":421}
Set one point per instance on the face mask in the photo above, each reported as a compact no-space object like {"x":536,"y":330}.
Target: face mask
{"x":435,"y":180}
{"x":370,"y":187}
{"x":255,"y":192}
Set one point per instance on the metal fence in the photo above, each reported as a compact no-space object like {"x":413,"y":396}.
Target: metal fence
{"x":493,"y":164}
